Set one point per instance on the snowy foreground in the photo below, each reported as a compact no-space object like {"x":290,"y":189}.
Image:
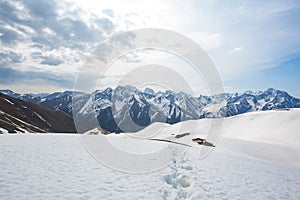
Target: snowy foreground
{"x":257,"y":156}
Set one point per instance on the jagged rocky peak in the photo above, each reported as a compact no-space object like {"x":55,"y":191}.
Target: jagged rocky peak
{"x":248,"y":92}
{"x":106,"y":91}
{"x":149,"y":91}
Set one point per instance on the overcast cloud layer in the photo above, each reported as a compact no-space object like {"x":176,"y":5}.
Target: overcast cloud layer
{"x":42,"y":43}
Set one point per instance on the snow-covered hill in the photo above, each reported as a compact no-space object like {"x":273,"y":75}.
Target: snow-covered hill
{"x":277,"y":127}
{"x":266,"y":129}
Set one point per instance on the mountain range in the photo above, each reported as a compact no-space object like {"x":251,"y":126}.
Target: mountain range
{"x":127,"y":109}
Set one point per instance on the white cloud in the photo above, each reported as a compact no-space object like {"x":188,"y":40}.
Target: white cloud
{"x":47,"y":30}
{"x":241,"y":37}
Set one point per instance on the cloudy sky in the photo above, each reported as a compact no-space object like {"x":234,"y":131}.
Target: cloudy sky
{"x":254,"y":44}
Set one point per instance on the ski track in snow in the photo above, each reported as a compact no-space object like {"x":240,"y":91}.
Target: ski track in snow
{"x":58,"y":167}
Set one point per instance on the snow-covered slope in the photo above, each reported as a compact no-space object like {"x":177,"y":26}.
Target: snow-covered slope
{"x":247,"y":163}
{"x":277,"y":127}
{"x":274,"y":133}
{"x":269,"y":135}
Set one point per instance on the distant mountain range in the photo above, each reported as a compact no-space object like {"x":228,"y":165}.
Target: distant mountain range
{"x":20,"y":116}
{"x":126,"y":108}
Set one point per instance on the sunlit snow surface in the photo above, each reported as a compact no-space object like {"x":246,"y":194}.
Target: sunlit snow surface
{"x":54,"y":166}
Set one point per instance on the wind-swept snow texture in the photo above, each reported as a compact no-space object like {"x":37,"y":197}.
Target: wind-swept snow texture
{"x":256,"y":158}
